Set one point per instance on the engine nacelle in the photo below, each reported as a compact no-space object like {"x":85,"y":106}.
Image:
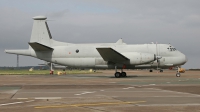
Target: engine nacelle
{"x":137,"y":58}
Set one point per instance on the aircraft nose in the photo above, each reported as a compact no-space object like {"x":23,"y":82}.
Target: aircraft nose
{"x":183,"y":59}
{"x":186,"y":59}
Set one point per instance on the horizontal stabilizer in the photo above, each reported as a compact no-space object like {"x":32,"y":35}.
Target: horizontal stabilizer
{"x":109,"y":54}
{"x":19,"y":52}
{"x":39,"y":47}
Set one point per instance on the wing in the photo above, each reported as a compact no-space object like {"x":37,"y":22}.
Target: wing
{"x":109,"y":54}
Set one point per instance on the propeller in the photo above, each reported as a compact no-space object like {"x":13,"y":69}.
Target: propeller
{"x":157,"y":56}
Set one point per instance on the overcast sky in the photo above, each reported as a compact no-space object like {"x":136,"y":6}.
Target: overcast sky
{"x":86,"y":21}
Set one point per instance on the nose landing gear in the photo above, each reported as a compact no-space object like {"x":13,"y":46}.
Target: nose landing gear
{"x":178,"y":75}
{"x":178,"y":72}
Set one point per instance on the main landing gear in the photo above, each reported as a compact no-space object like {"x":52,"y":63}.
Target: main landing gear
{"x":118,"y":74}
{"x":152,"y":70}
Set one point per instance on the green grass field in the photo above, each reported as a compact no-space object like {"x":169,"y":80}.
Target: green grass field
{"x":40,"y":72}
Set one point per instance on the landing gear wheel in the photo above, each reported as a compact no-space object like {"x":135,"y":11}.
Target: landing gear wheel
{"x":161,"y":70}
{"x":123,"y":74}
{"x":150,"y":70}
{"x":178,"y":75}
{"x":117,"y":75}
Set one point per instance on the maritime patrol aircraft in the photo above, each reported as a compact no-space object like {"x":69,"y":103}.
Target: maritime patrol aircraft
{"x":117,"y":55}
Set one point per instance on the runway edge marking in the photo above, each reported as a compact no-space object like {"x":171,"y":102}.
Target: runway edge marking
{"x":176,"y":92}
{"x":42,"y":98}
{"x":13,"y":103}
{"x":88,"y":104}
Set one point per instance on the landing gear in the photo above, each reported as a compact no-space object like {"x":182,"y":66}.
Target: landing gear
{"x":51,"y":69}
{"x":178,"y":73}
{"x":161,"y":70}
{"x":118,"y":74}
{"x":150,"y":70}
{"x":123,"y":74}
{"x":51,"y":72}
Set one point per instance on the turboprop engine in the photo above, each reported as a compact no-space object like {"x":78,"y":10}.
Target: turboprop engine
{"x":137,"y":58}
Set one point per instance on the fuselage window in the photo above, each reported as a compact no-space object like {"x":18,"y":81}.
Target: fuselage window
{"x":77,"y":51}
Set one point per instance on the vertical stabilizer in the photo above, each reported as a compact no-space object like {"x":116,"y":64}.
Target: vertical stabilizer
{"x":40,"y":31}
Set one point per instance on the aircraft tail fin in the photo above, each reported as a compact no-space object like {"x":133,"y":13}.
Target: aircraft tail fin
{"x":40,"y":31}
{"x":40,"y":38}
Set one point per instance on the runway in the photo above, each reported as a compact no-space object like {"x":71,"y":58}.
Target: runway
{"x":140,"y":91}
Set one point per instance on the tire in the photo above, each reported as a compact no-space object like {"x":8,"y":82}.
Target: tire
{"x":178,"y":75}
{"x":150,"y":70}
{"x":123,"y":74}
{"x":161,"y":70}
{"x":117,"y":75}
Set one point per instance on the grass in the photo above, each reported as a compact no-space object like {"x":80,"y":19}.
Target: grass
{"x":40,"y":72}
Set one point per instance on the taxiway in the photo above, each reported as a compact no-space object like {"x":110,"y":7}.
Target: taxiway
{"x":140,"y":91}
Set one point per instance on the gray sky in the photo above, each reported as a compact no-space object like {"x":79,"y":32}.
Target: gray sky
{"x":86,"y":21}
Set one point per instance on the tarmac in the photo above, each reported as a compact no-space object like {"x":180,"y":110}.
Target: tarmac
{"x":139,"y":91}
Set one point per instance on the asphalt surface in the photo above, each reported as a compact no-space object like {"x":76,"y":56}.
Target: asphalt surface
{"x":140,"y":91}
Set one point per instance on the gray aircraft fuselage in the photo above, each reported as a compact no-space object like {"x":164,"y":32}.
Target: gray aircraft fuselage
{"x":88,"y":57}
{"x":98,"y":55}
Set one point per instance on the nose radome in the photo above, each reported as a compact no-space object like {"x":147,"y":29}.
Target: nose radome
{"x":186,"y":59}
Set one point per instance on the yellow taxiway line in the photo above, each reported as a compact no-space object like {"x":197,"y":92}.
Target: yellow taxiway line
{"x":88,"y":104}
